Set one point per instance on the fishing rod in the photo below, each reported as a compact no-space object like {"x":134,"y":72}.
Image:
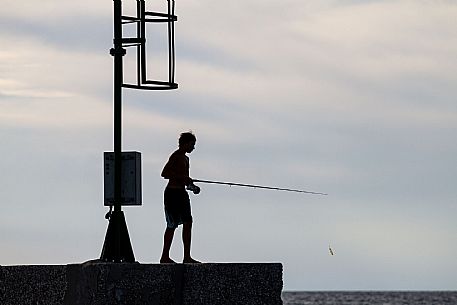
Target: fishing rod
{"x":257,"y":187}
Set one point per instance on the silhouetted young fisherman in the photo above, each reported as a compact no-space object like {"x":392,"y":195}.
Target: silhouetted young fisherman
{"x":176,"y":199}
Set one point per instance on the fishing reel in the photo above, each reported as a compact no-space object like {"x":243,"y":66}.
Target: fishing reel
{"x":192,"y":187}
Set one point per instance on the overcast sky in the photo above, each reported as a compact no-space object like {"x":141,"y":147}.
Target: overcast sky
{"x":353,"y":98}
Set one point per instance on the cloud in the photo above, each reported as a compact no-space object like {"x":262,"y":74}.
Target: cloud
{"x":352,"y":98}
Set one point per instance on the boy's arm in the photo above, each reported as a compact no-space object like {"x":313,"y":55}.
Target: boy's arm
{"x":176,"y":169}
{"x":167,"y":171}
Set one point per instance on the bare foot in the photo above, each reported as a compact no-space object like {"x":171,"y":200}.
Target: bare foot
{"x":190,"y":260}
{"x":167,"y":261}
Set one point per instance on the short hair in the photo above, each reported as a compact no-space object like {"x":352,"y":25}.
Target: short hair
{"x":187,"y":137}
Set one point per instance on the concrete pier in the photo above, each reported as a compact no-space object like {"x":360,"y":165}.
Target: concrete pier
{"x":97,"y":283}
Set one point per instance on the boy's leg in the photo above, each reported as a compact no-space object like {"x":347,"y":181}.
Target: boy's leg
{"x":167,"y":240}
{"x":186,"y":239}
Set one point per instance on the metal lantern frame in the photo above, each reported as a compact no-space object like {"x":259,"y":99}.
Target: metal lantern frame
{"x":142,"y":19}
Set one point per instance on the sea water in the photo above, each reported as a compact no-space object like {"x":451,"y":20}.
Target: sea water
{"x":370,"y":298}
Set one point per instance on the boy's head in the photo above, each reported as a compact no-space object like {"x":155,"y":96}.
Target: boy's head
{"x":187,"y":141}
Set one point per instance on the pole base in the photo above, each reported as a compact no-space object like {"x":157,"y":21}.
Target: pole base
{"x":117,"y":247}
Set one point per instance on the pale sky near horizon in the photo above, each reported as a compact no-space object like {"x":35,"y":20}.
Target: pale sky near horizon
{"x":357,"y":99}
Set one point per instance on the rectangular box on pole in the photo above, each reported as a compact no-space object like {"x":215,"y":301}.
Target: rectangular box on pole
{"x":130,"y":178}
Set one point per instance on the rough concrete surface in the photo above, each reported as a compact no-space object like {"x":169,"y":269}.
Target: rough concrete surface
{"x":34,"y":285}
{"x":98,"y":283}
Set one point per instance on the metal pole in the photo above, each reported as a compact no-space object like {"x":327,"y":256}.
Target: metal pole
{"x":117,"y":246}
{"x":119,"y":52}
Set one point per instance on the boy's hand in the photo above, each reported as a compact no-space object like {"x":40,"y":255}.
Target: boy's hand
{"x":192,"y":187}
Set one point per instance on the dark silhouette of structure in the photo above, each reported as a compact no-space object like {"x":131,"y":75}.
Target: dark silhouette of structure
{"x":117,"y":246}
